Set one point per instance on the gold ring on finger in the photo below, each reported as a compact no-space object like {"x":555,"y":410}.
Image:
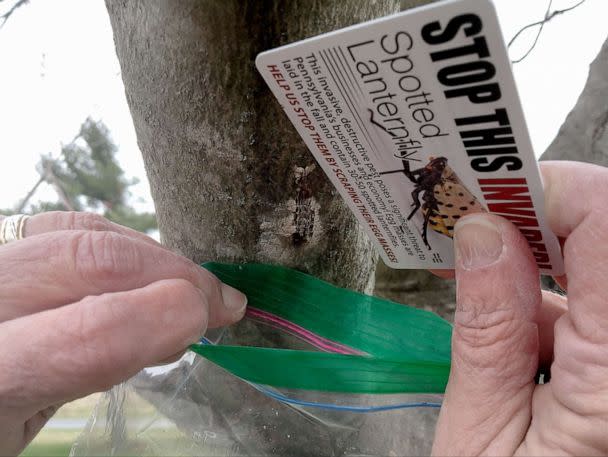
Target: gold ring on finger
{"x":11,"y":228}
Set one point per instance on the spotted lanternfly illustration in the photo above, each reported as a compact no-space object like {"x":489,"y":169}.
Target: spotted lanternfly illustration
{"x":445,"y":198}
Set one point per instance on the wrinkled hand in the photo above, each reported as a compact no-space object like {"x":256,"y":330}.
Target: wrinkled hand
{"x":505,"y":329}
{"x":86,"y":304}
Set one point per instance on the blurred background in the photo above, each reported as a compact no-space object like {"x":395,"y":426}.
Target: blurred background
{"x":67,"y":139}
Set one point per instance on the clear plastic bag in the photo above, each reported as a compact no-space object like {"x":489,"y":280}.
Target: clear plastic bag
{"x":195,"y":407}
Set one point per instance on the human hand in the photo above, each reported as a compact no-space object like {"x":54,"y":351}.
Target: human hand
{"x":505,"y":328}
{"x":86,"y":304}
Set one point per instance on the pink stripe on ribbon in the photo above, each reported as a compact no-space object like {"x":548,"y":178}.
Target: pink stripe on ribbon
{"x":301,"y":332}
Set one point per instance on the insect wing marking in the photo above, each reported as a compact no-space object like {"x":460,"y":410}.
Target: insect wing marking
{"x":454,"y":201}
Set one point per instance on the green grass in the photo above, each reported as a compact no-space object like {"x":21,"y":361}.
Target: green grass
{"x":58,"y":442}
{"x":44,"y":450}
{"x":51,"y":443}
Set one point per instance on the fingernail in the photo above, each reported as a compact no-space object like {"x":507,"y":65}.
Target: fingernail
{"x":233,"y":299}
{"x":478,"y":242}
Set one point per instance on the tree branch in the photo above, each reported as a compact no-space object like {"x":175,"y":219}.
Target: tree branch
{"x":548,"y":16}
{"x":52,"y":179}
{"x":29,"y":195}
{"x":10,"y":12}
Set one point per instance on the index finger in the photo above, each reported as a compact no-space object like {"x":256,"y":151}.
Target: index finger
{"x":576,"y":200}
{"x":69,"y":265}
{"x":53,"y":221}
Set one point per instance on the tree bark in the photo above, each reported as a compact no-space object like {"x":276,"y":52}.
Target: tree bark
{"x":584,"y":134}
{"x":418,"y":288}
{"x":226,"y":168}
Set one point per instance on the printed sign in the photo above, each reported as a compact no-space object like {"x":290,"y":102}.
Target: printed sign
{"x":416,"y":120}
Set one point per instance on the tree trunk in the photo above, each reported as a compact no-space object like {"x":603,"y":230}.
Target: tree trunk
{"x":222,"y":158}
{"x":584,"y":134}
{"x":226,"y":170}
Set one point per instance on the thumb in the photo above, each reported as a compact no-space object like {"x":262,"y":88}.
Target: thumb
{"x":487,"y":406}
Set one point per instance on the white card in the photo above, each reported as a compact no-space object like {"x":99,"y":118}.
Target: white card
{"x":416,"y":120}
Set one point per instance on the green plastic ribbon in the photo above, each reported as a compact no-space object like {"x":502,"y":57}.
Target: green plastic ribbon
{"x":397,"y":348}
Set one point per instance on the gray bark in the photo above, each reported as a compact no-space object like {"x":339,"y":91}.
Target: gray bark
{"x":226,"y":169}
{"x":584,"y":134}
{"x":418,"y":288}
